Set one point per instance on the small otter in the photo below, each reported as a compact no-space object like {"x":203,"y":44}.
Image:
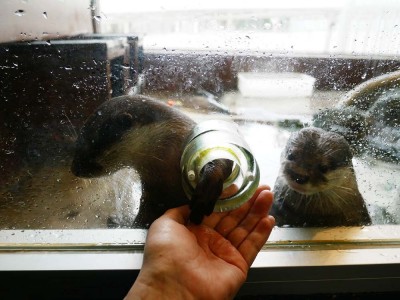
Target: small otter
{"x":147,"y":135}
{"x":317,"y":185}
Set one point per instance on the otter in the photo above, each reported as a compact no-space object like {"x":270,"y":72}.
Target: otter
{"x":317,"y":186}
{"x":368,"y":117}
{"x":146,"y":134}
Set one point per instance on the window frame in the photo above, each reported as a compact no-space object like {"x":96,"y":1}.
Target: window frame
{"x":293,"y":261}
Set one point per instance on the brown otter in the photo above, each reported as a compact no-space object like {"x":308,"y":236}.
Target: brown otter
{"x":147,"y":135}
{"x":317,"y":185}
{"x":368,"y":117}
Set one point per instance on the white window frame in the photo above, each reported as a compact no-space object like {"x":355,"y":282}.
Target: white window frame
{"x":342,"y":259}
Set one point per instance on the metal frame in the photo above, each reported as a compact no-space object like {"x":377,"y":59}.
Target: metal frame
{"x":293,"y":261}
{"x":286,"y":247}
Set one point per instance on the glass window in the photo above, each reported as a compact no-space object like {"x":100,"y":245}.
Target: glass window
{"x":274,"y":68}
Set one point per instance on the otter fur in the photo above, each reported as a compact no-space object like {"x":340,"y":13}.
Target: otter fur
{"x":149,"y":136}
{"x":317,"y":185}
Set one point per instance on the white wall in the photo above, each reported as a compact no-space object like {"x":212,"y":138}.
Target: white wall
{"x":348,"y":27}
{"x":43,"y":19}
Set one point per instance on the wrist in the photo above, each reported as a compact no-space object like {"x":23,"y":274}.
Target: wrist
{"x":157,"y":285}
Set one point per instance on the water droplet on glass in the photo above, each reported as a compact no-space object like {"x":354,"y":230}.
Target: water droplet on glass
{"x":44,"y":15}
{"x":20,"y":12}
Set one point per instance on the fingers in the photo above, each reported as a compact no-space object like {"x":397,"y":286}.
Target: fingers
{"x":229,"y":191}
{"x":235,"y":216}
{"x":254,"y":242}
{"x":178,"y":214}
{"x":225,"y":222}
{"x":249,"y":233}
{"x":258,"y":210}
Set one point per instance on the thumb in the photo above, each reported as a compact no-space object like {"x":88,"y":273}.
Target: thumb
{"x":178,"y":214}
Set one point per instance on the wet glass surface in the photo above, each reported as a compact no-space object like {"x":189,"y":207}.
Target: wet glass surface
{"x":209,"y":66}
{"x":47,"y":195}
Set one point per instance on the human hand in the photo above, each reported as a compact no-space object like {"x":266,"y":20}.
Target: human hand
{"x":207,"y":261}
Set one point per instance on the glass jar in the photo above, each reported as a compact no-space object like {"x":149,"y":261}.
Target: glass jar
{"x":216,"y":139}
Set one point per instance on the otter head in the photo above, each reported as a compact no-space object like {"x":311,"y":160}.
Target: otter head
{"x":131,"y":131}
{"x":315,"y":160}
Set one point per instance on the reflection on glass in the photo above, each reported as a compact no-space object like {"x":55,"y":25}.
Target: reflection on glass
{"x":194,"y":59}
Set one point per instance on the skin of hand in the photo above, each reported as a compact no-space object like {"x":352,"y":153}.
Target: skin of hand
{"x":206,"y":261}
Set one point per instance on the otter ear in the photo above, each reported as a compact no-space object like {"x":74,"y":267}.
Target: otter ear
{"x":124,"y":121}
{"x":121,"y":123}
{"x":115,"y":127}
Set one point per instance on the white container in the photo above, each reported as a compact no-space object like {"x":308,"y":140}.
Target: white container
{"x":275,"y":85}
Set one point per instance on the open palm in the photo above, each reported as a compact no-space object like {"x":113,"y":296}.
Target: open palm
{"x":207,"y":261}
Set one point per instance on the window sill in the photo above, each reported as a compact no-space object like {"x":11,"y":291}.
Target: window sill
{"x":122,"y":248}
{"x":294,"y":260}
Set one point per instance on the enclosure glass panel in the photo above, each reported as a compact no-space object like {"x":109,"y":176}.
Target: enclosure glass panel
{"x":271,"y":67}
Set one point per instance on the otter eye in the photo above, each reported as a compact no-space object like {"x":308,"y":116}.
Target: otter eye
{"x":323,"y":169}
